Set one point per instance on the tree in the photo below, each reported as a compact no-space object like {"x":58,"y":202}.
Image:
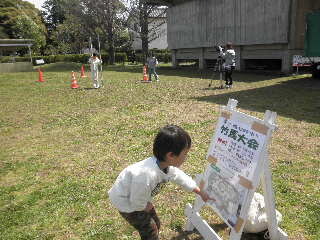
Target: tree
{"x":20,"y":19}
{"x":26,"y":28}
{"x":68,"y":32}
{"x":68,"y":37}
{"x":144,"y":14}
{"x":101,"y":16}
{"x":54,"y":13}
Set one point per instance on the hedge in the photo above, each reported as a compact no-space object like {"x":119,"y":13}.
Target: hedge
{"x":163,"y":55}
{"x":120,"y":57}
{"x":80,"y":58}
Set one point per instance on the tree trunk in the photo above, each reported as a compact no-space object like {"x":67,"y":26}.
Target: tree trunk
{"x":144,"y":30}
{"x":111,"y":49}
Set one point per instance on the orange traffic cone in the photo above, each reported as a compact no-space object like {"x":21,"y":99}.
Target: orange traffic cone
{"x":74,"y":83}
{"x":40,"y":75}
{"x":83,"y":75}
{"x":145,"y":76}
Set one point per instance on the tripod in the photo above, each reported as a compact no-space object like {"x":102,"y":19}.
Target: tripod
{"x":218,"y":68}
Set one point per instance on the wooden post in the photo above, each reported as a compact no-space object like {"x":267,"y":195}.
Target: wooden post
{"x":202,"y":64}
{"x":198,"y":204}
{"x":174,"y":58}
{"x":30,"y":54}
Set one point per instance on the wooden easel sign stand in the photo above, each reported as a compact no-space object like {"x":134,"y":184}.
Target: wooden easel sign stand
{"x":238,"y":160}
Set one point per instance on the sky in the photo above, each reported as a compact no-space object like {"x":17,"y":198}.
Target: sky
{"x":37,"y":3}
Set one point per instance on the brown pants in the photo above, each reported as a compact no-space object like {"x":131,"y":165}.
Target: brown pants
{"x":147,"y":223}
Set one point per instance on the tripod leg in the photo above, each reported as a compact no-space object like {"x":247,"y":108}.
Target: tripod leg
{"x":212,"y":76}
{"x":221,"y":81}
{"x":211,"y":80}
{"x":214,"y":73}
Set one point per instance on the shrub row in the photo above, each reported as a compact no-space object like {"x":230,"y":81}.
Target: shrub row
{"x":80,"y":58}
{"x":161,"y":55}
{"x":155,"y":51}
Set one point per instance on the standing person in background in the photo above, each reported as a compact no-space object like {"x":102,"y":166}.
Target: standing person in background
{"x":152,"y":63}
{"x":133,"y":57}
{"x":94,"y":63}
{"x":229,"y":55}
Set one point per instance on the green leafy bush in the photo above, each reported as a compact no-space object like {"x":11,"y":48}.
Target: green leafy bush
{"x":161,"y":55}
{"x":120,"y":57}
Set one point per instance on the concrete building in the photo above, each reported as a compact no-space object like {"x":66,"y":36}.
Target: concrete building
{"x":264,"y":32}
{"x":157,"y":32}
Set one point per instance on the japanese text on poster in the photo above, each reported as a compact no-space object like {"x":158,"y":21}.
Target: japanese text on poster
{"x":237,"y":147}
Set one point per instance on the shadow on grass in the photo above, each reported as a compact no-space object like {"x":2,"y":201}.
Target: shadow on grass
{"x":89,"y":89}
{"x":193,"y":72}
{"x":187,"y":71}
{"x":298,"y":99}
{"x":183,"y":235}
{"x":61,"y":67}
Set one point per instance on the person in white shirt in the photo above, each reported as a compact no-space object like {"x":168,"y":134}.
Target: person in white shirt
{"x":137,"y":184}
{"x":94,"y":67}
{"x":152,"y":63}
{"x":230,"y":62}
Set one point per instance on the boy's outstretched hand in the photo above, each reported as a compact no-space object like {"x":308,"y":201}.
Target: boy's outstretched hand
{"x":205,"y":196}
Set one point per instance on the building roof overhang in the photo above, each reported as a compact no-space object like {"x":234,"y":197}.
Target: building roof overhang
{"x":166,"y":2}
{"x":13,"y":44}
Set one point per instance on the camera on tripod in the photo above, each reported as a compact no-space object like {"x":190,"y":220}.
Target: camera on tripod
{"x":218,"y":48}
{"x":219,"y":66}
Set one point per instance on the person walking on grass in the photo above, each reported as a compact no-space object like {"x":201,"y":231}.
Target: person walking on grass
{"x":95,"y":62}
{"x":152,"y":63}
{"x":138,"y":183}
{"x":229,"y":55}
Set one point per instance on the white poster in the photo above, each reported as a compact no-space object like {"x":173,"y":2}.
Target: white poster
{"x":237,"y":147}
{"x":235,"y":150}
{"x":298,"y":60}
{"x":229,"y":196}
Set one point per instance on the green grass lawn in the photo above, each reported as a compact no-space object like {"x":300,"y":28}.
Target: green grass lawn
{"x":62,"y":148}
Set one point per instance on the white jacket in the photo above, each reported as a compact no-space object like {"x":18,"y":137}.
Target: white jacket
{"x":138,"y":183}
{"x":229,"y":56}
{"x":94,"y":63}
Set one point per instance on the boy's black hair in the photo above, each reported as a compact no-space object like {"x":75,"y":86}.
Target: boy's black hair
{"x":94,"y":54}
{"x":170,"y":138}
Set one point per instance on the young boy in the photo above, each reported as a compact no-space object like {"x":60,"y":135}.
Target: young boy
{"x":152,"y":63}
{"x":94,"y":63}
{"x":134,"y":188}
